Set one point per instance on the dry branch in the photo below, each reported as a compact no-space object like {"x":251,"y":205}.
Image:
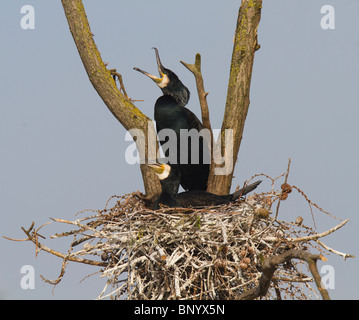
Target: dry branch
{"x":101,"y":78}
{"x":270,"y":265}
{"x":319,"y":235}
{"x":237,"y":102}
{"x":33,"y":237}
{"x":202,"y":94}
{"x":344,"y":255}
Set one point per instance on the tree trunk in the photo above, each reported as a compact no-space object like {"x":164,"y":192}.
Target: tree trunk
{"x":245,"y":45}
{"x":120,"y":106}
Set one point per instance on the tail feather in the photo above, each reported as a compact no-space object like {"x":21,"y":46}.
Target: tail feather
{"x":245,"y":190}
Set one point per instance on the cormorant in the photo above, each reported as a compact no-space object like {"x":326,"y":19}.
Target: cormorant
{"x":169,"y":178}
{"x":170,"y":113}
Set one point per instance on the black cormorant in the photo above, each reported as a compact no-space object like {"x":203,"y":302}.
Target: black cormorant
{"x":170,"y":113}
{"x":169,"y":179}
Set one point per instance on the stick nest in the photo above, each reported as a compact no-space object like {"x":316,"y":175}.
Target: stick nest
{"x":209,"y":253}
{"x":192,"y":253}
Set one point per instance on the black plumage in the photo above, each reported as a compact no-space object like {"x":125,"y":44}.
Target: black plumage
{"x":200,"y":198}
{"x":169,"y":177}
{"x":171,"y":113}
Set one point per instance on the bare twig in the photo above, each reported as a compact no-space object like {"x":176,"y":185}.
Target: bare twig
{"x":39,"y":246}
{"x":285,"y":181}
{"x":319,"y":235}
{"x":115,"y":75}
{"x":344,"y":255}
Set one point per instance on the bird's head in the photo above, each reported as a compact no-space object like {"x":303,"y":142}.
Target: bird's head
{"x":168,"y":82}
{"x":162,"y":170}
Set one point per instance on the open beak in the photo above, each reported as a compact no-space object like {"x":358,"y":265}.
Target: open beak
{"x":158,"y":168}
{"x":160,"y":67}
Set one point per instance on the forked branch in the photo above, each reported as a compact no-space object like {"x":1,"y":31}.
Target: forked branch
{"x":271,"y":264}
{"x":202,"y":95}
{"x":33,"y":237}
{"x":101,"y":78}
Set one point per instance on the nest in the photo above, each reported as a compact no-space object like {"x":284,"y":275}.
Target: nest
{"x":194,"y":253}
{"x":209,"y":253}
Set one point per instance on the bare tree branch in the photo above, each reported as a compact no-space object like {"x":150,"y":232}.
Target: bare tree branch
{"x":202,"y":95}
{"x":270,"y":265}
{"x":237,"y":104}
{"x":101,"y":78}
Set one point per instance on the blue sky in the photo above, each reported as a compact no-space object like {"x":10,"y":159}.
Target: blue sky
{"x":62,"y":151}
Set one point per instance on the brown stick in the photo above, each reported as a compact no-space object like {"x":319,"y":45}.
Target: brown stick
{"x":319,"y":235}
{"x":39,"y":246}
{"x":270,"y":265}
{"x":202,"y":95}
{"x":285,"y":181}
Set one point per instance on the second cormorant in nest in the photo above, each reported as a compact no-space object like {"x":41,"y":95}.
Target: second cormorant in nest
{"x":169,"y":179}
{"x":171,"y":113}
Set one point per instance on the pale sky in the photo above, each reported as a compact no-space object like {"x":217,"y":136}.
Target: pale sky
{"x":62,"y":150}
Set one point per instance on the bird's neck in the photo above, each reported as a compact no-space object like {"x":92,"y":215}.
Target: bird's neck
{"x":166,"y":194}
{"x":181,"y":95}
{"x":170,"y":189}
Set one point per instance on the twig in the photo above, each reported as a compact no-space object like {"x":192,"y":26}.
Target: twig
{"x":319,"y":235}
{"x":285,"y":181}
{"x":115,"y":74}
{"x":313,"y":204}
{"x":40,"y":246}
{"x":62,"y":272}
{"x":344,"y":255}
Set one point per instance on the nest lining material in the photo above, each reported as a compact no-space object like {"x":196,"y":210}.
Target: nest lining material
{"x":208,"y":253}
